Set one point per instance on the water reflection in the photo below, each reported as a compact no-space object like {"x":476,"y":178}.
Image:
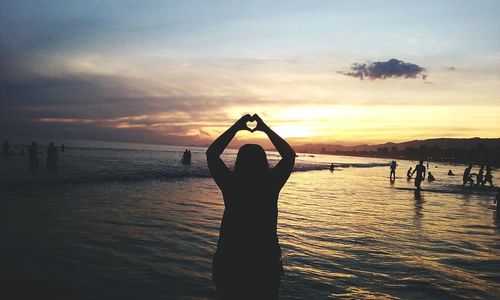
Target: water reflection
{"x":349,"y":235}
{"x":419,"y":206}
{"x":496,"y":219}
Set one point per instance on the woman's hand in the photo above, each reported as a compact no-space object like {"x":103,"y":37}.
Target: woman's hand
{"x":261,"y":126}
{"x":220,"y":143}
{"x":241,"y":124}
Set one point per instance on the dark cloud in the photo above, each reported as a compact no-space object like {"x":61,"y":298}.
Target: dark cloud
{"x":386,"y":69}
{"x":82,"y":106}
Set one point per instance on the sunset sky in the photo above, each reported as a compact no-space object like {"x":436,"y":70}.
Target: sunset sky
{"x":181,"y":72}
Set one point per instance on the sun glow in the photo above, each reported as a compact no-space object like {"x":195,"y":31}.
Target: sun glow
{"x":319,"y":114}
{"x":373,"y":123}
{"x":294,"y":131}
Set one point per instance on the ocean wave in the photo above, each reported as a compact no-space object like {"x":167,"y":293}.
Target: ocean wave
{"x":100,"y":164}
{"x":129,"y":174}
{"x":46,"y":177}
{"x":361,"y":165}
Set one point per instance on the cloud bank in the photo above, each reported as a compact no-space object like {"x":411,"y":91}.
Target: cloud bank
{"x":393,"y":68}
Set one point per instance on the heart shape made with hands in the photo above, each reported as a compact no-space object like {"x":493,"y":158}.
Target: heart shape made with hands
{"x":252,"y":125}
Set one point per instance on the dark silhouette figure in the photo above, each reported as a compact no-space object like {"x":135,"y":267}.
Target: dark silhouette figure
{"x":467,"y":176}
{"x":33,"y":156}
{"x":392,"y":175}
{"x":430,"y":177}
{"x":52,"y":157}
{"x":186,"y":157}
{"x":6,"y":149}
{"x":450,"y":173}
{"x":479,"y":176}
{"x":332,"y":168}
{"x":62,"y":148}
{"x":488,"y":177}
{"x":497,"y":202}
{"x":247,"y":263}
{"x":409,"y":174}
{"x":420,"y":170}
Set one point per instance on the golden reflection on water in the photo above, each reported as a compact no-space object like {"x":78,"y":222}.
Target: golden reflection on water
{"x":350,"y":233}
{"x":356,"y":224}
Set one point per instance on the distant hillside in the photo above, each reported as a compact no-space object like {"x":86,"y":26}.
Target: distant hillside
{"x":475,"y":150}
{"x":443,"y":143}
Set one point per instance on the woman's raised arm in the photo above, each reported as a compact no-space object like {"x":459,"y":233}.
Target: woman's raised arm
{"x":217,"y":167}
{"x":284,"y":168}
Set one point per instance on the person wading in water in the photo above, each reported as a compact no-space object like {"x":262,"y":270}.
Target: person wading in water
{"x":247,"y":263}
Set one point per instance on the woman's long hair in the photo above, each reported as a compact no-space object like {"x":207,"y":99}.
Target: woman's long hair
{"x":251,"y":162}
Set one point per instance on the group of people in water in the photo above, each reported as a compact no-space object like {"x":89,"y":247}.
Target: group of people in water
{"x":481,"y":178}
{"x":51,"y":160}
{"x":420,"y":169}
{"x":186,"y":157}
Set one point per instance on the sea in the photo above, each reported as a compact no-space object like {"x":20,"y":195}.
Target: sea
{"x":129,"y":221}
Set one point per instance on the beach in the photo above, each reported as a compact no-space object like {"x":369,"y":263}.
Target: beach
{"x":129,"y":221}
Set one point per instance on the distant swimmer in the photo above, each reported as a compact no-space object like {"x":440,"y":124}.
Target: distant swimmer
{"x":33,"y":156}
{"x":467,"y":176}
{"x":52,"y":157}
{"x":420,"y":170}
{"x":409,"y":174}
{"x":332,"y":167}
{"x":392,"y":175}
{"x":479,"y":176}
{"x":488,"y":177}
{"x":5,"y":149}
{"x":450,"y":173}
{"x":430,"y":177}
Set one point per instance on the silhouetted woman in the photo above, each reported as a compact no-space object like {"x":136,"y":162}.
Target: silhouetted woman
{"x":247,"y":263}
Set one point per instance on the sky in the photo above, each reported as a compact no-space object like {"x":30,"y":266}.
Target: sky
{"x":181,"y":72}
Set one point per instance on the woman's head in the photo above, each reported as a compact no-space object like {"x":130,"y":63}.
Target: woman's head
{"x":251,"y":161}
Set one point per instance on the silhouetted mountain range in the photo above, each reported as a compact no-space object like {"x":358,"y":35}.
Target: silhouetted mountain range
{"x":443,"y":143}
{"x":476,"y":150}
